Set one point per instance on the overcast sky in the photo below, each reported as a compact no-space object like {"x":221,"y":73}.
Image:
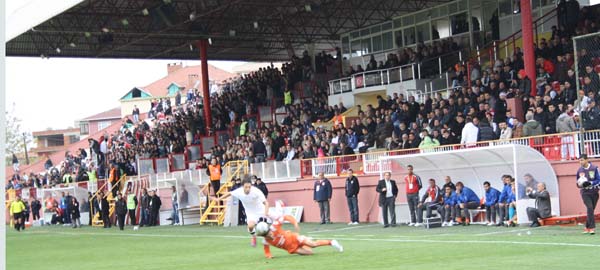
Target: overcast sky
{"x":53,"y":93}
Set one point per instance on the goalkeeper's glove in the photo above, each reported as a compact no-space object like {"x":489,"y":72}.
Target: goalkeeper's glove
{"x":586,"y":184}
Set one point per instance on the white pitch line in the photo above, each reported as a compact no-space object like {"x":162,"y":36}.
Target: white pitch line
{"x":501,"y":232}
{"x":473,"y":242}
{"x":344,"y":229}
{"x":352,"y":239}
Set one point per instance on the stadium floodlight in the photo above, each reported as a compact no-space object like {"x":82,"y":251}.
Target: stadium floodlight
{"x":191,"y":48}
{"x":88,"y":34}
{"x":145,"y":12}
{"x":125,"y":22}
{"x":232,"y":33}
{"x":308,"y":8}
{"x":72,"y":45}
{"x":193,"y":16}
{"x":255,"y":25}
{"x":105,"y":30}
{"x":210,"y":40}
{"x":58,"y":50}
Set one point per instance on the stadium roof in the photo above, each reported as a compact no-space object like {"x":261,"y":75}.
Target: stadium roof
{"x":244,"y":30}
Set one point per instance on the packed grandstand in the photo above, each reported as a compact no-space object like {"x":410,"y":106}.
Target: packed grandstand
{"x":304,"y":125}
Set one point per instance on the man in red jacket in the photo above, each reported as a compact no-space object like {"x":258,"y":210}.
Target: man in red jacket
{"x":413,"y":185}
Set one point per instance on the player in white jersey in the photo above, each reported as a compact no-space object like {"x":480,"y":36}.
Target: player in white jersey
{"x":255,"y":204}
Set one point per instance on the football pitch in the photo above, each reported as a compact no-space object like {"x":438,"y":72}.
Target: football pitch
{"x":366,"y":246}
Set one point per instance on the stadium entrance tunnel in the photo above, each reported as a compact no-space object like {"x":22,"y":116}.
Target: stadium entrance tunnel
{"x":474,"y":166}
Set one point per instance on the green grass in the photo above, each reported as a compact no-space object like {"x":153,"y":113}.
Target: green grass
{"x":366,"y":247}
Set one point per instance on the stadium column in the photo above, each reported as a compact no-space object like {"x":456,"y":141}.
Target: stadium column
{"x":528,"y":50}
{"x":203,"y":46}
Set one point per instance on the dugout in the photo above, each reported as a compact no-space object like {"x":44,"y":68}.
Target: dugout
{"x":473,"y":167}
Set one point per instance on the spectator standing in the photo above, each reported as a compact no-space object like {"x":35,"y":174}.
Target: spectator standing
{"x":75,"y":214}
{"x":352,"y":187}
{"x":469,"y":133}
{"x":388,"y":190}
{"x":589,"y":191}
{"x":132,"y":203}
{"x":154,"y":206}
{"x":492,"y":196}
{"x":261,"y":186}
{"x":413,"y":186}
{"x":322,"y":196}
{"x":121,"y":210}
{"x":104,"y":207}
{"x":36,"y":206}
{"x":466,"y":199}
{"x":174,"y":202}
{"x":448,"y":183}
{"x":543,"y":207}
{"x":532,"y":127}
{"x":136,"y":113}
{"x":566,"y":124}
{"x":144,"y":210}
{"x":15,"y":163}
{"x":214,"y":171}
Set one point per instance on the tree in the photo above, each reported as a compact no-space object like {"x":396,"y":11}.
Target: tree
{"x":15,"y":137}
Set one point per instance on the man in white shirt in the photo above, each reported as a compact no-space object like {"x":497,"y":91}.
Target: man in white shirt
{"x":470,"y":132}
{"x":255,"y":204}
{"x":291,"y":153}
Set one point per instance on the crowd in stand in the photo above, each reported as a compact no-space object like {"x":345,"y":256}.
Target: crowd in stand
{"x":421,"y":53}
{"x":474,"y":110}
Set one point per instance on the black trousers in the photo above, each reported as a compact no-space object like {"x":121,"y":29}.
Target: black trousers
{"x":153,"y":217}
{"x":590,"y":200}
{"x":106,"y":219}
{"x":533,"y":214}
{"x":389,"y":205}
{"x":121,"y":221}
{"x":36,"y":215}
{"x":216,"y":185}
{"x":132,"y":220}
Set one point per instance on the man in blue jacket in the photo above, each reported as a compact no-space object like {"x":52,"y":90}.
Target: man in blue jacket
{"x":589,"y":190}
{"x":467,"y":199}
{"x":449,"y":199}
{"x":322,"y":196}
{"x":503,"y":200}
{"x":492,"y":196}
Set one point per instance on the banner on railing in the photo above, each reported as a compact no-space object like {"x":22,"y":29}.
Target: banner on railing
{"x":193,"y":152}
{"x":162,"y":165}
{"x":146,"y":166}
{"x":266,"y":114}
{"x":359,"y":82}
{"x":178,"y":162}
{"x":208,"y":143}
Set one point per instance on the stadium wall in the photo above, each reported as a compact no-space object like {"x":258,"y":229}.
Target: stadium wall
{"x":300,"y":193}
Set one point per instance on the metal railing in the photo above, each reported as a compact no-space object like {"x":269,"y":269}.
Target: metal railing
{"x":423,"y":69}
{"x":554,"y":147}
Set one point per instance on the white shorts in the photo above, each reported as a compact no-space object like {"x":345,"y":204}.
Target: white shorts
{"x":254,"y":217}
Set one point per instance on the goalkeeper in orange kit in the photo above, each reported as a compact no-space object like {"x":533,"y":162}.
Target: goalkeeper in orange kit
{"x":292,"y":242}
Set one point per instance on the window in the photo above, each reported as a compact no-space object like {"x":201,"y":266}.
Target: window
{"x":440,"y":29}
{"x":103,"y":124}
{"x":399,"y":39}
{"x":397,"y":23}
{"x":377,"y":46}
{"x":345,"y":45}
{"x":73,"y":139}
{"x":408,"y":20}
{"x":505,"y":7}
{"x":356,"y":49}
{"x":387,"y":40}
{"x":84,"y":128}
{"x":409,"y":36}
{"x":423,"y":32}
{"x":459,"y":24}
{"x":366,"y":46}
{"x":365,"y":32}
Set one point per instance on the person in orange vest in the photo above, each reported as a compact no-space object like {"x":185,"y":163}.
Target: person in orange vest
{"x":214,"y":171}
{"x":113,"y":178}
